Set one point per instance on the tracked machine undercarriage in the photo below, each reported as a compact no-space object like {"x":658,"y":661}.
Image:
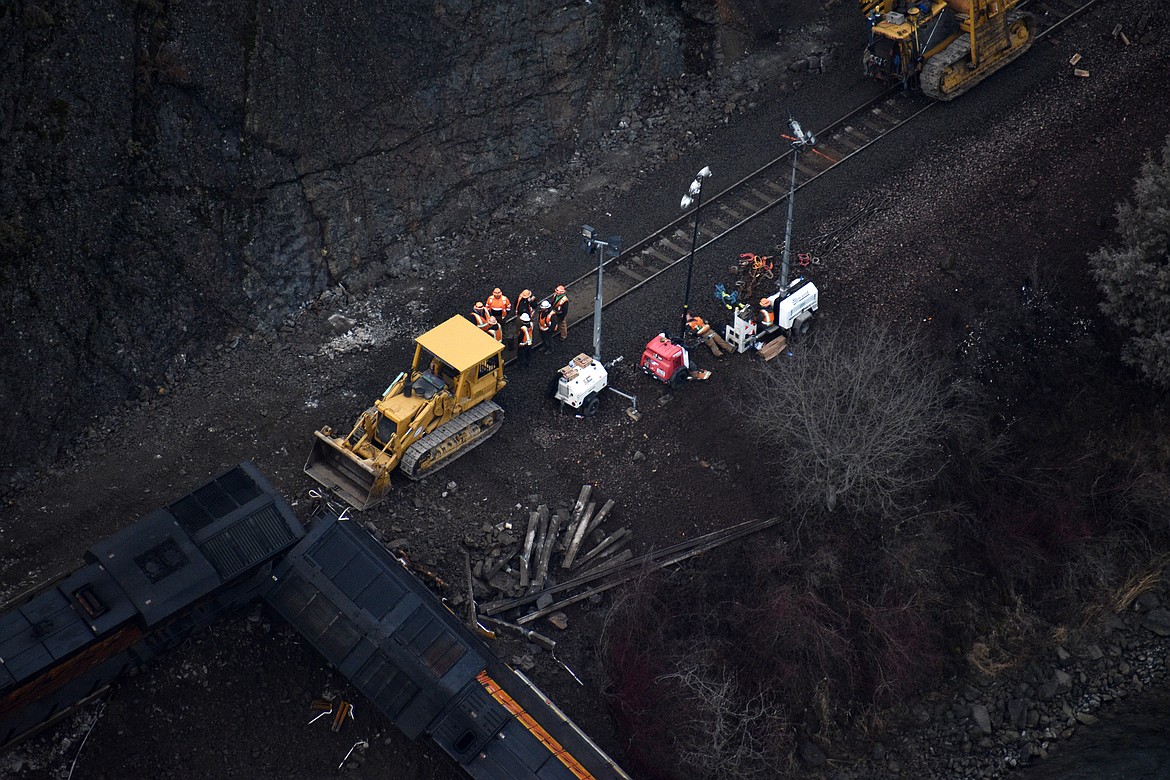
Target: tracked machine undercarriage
{"x":943,"y":47}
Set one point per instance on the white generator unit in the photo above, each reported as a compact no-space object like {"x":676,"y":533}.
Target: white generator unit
{"x":793,"y":313}
{"x":795,"y":310}
{"x":580,"y":383}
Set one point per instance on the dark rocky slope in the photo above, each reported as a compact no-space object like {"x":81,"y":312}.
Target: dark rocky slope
{"x":176,"y":173}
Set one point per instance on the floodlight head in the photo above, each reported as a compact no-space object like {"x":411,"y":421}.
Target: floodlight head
{"x":705,"y":173}
{"x":802,"y":137}
{"x":686,"y":202}
{"x":696,"y":185}
{"x":587,"y":232}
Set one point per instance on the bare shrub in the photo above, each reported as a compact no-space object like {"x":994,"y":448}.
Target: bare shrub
{"x":1063,"y":540}
{"x":723,"y":729}
{"x":633,"y":641}
{"x":855,"y":419}
{"x":718,"y":672}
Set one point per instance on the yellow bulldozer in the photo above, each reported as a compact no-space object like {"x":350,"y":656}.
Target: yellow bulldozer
{"x":943,"y":47}
{"x":430,"y":415}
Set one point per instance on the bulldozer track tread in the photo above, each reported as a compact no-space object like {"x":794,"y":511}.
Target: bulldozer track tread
{"x":932,"y":72}
{"x":415,"y":452}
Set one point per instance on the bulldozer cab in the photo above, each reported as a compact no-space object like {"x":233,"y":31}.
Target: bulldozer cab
{"x":435,"y":375}
{"x":463,"y":359}
{"x":903,"y":35}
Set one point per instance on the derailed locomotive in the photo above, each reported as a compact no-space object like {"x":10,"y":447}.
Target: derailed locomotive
{"x":143,"y":590}
{"x":234,"y":540}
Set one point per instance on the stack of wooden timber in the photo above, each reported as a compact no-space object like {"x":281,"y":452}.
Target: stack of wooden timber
{"x":556,"y":544}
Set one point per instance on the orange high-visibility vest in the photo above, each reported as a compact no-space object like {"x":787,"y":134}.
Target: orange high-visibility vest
{"x":544,"y":320}
{"x":526,"y":335}
{"x":498,"y":303}
{"x":698,"y":326}
{"x":480,"y":320}
{"x":767,"y":318}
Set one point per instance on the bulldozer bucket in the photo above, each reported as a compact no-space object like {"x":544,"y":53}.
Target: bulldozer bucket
{"x":356,"y":481}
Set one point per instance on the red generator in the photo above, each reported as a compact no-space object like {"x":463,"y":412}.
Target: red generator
{"x":666,"y":361}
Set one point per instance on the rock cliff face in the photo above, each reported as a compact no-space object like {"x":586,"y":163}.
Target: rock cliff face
{"x":174,"y":172}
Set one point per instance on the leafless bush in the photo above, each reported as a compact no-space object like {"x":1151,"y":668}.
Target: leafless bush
{"x":723,"y":729}
{"x":632,"y":643}
{"x":855,"y":419}
{"x":709,"y":683}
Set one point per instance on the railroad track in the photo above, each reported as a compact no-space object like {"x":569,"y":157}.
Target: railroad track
{"x":768,"y":186}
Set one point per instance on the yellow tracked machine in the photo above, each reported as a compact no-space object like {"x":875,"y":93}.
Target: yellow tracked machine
{"x":943,"y":47}
{"x":427,"y":417}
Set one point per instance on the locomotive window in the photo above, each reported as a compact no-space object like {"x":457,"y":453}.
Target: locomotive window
{"x":465,"y":741}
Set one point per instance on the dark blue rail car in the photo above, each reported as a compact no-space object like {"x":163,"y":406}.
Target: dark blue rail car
{"x":423,"y":668}
{"x":145,"y":589}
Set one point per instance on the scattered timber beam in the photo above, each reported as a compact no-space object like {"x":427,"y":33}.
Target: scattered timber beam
{"x":550,"y":542}
{"x":532,"y":636}
{"x":604,"y":559}
{"x":582,"y":499}
{"x":608,"y":541}
{"x":471,"y":618}
{"x":577,"y":535}
{"x":498,"y":563}
{"x":541,"y":533}
{"x":529,"y":540}
{"x":579,"y":509}
{"x":596,"y":521}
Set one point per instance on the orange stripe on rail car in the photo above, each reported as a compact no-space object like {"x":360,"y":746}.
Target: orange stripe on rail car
{"x":538,"y":731}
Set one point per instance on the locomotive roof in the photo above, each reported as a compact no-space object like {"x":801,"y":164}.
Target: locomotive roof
{"x":459,"y":344}
{"x":176,"y":555}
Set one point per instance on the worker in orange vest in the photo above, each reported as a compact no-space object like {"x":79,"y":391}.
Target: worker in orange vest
{"x":524,"y":342}
{"x":766,"y":317}
{"x":546,"y":323}
{"x":525,"y":305}
{"x":708,"y":336}
{"x":498,"y":305}
{"x":479,"y":316}
{"x":560,"y":304}
{"x":494,"y":330}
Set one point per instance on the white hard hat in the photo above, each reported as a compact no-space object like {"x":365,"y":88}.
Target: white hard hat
{"x":525,"y":318}
{"x":545,"y":305}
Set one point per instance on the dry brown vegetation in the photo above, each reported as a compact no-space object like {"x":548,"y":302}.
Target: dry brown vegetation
{"x":930,"y":530}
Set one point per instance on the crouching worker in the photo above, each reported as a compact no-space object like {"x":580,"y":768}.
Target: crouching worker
{"x":708,"y":336}
{"x":766,"y":317}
